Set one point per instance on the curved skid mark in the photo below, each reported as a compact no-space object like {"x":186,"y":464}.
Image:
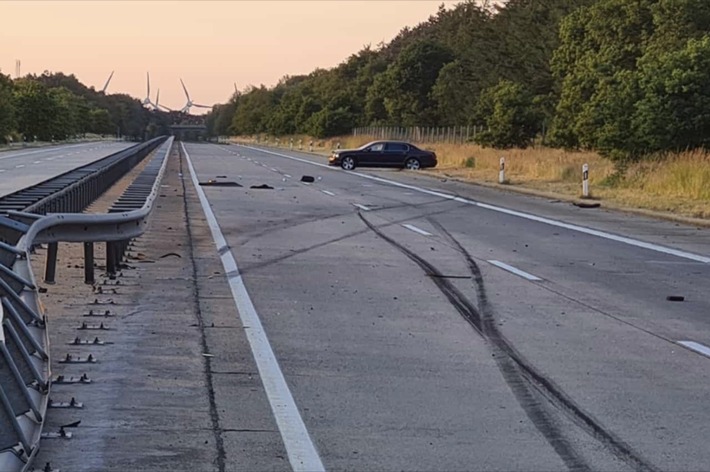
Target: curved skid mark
{"x":522,"y":390}
{"x":552,"y":392}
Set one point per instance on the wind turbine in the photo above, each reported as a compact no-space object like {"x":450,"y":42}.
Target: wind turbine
{"x":158,"y":106}
{"x":146,"y":100}
{"x":190,"y":103}
{"x":103,"y":90}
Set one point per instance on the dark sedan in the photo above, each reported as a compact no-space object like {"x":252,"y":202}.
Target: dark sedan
{"x":383,"y":154}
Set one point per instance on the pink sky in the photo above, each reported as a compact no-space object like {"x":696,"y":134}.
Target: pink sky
{"x":209,"y":44}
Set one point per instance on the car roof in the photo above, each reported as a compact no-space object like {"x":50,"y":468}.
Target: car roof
{"x":388,"y":142}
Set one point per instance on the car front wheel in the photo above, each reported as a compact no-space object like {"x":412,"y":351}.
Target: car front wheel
{"x":347,"y":163}
{"x":413,"y":164}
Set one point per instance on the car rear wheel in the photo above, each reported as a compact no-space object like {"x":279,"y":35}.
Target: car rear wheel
{"x":347,"y":163}
{"x":413,"y":164}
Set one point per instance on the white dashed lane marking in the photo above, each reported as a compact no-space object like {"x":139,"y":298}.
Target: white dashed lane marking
{"x":515,"y":270}
{"x":697,"y":347}
{"x":417,"y":230}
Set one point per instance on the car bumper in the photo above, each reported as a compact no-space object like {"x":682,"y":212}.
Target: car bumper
{"x":333,"y":161}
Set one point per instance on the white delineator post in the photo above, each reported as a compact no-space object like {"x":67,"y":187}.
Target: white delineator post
{"x":291,"y":144}
{"x":585,"y":181}
{"x":501,"y":171}
{"x":310,"y":148}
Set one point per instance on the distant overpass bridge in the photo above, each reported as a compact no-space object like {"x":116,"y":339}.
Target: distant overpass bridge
{"x":189,"y":132}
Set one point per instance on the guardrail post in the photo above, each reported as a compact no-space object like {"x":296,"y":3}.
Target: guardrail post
{"x":501,"y":171}
{"x":89,"y":263}
{"x":111,"y":262}
{"x":50,"y":268}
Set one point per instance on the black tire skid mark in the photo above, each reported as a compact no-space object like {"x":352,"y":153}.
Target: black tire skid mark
{"x":522,"y":390}
{"x":545,"y":386}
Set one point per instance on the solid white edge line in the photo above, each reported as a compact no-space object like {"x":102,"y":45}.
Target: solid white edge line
{"x":697,"y":347}
{"x":540,"y":219}
{"x":417,"y":230}
{"x":515,"y":270}
{"x":362,"y":207}
{"x":327,"y":192}
{"x":302,"y":453}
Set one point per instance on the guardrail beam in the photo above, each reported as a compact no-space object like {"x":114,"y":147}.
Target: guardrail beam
{"x":24,"y":356}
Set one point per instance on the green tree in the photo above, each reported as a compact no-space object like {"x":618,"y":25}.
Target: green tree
{"x":508,"y":111}
{"x":405,"y":88}
{"x":598,"y":44}
{"x":632,"y":76}
{"x":7,"y":109}
{"x":455,"y":92}
{"x":65,"y":120}
{"x":253,"y":111}
{"x":100,"y":122}
{"x":34,"y":110}
{"x":328,"y":122}
{"x":674,"y":113}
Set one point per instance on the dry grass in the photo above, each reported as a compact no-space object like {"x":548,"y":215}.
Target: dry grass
{"x":679,"y":184}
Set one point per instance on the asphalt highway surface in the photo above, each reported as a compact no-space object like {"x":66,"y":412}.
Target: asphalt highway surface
{"x":284,"y":315}
{"x":397,"y":321}
{"x":24,"y":168}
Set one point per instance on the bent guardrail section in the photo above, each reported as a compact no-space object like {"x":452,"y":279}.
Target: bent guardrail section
{"x":25,"y":373}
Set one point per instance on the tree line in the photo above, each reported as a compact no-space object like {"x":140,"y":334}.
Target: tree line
{"x":627,"y":78}
{"x":55,"y":107}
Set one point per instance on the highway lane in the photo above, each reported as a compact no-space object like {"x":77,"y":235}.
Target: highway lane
{"x":421,"y":332}
{"x":23,"y":168}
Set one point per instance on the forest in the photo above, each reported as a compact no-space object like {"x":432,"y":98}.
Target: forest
{"x":625,"y":78}
{"x":55,"y":107}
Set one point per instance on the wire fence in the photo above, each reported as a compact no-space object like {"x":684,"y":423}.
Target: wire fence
{"x":422,"y":134}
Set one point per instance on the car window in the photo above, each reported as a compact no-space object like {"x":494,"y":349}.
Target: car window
{"x":396,"y":147}
{"x":377,"y":147}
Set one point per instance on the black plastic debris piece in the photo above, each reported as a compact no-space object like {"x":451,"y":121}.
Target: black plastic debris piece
{"x":262,"y":187}
{"x":221,"y":177}
{"x":587,"y":204}
{"x":308,"y":178}
{"x":675,"y":298}
{"x":175,"y":254}
{"x":216,"y":183}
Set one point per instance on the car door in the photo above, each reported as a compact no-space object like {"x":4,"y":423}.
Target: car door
{"x":373,"y":155}
{"x":395,"y":154}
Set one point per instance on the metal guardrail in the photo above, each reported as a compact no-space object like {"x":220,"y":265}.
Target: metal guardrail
{"x":76,"y":189}
{"x":25,"y":373}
